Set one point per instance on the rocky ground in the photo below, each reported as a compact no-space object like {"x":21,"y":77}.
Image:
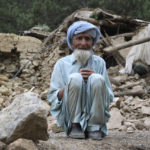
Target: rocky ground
{"x":129,"y":124}
{"x":114,"y":141}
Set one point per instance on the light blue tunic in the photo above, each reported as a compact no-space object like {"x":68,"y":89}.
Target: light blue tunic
{"x":66,"y":69}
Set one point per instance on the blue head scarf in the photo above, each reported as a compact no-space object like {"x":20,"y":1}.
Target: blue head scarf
{"x":80,"y":27}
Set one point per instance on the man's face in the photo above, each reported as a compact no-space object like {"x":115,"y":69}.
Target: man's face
{"x":82,"y":41}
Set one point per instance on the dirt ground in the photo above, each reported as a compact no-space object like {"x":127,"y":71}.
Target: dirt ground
{"x":138,"y":140}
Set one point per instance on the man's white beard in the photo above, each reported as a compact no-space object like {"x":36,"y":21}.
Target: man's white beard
{"x":82,"y":56}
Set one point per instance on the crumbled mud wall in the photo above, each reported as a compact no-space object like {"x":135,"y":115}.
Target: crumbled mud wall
{"x":15,"y":51}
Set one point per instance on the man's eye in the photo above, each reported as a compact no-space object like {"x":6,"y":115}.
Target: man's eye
{"x":87,"y":38}
{"x":79,"y":38}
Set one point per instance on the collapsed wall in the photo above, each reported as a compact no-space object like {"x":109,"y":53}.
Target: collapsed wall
{"x":16,"y":50}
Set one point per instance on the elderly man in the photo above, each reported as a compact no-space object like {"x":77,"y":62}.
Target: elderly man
{"x":80,"y":91}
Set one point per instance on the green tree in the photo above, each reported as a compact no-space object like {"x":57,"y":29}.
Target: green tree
{"x":19,"y":15}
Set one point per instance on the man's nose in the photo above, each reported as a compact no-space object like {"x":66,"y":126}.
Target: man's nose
{"x":83,"y":42}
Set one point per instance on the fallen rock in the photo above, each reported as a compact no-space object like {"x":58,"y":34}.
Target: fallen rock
{"x":121,"y":79}
{"x":35,"y":63}
{"x":11,"y":68}
{"x":145,"y":110}
{"x":4,"y":78}
{"x":22,"y":144}
{"x":115,"y":119}
{"x":24,"y":118}
{"x":129,"y":124}
{"x":139,"y":125}
{"x":137,"y":103}
{"x":4,"y":90}
{"x":147,"y":122}
{"x":123,"y":128}
{"x":130,"y":130}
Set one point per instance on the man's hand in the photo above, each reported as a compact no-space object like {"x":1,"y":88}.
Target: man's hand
{"x":60,"y":94}
{"x":86,"y":73}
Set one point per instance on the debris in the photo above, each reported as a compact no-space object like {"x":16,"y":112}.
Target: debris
{"x":132,"y":92}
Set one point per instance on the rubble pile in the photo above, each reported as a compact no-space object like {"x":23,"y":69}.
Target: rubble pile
{"x":15,"y":51}
{"x":130,"y":110}
{"x":132,"y":101}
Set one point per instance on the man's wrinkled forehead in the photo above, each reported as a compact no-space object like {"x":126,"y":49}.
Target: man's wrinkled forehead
{"x":84,"y":35}
{"x":91,"y":33}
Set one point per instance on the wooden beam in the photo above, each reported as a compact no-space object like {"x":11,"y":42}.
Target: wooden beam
{"x":132,"y":92}
{"x":123,"y":35}
{"x":112,"y":49}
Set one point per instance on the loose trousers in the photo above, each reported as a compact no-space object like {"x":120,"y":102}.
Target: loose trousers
{"x":86,"y":103}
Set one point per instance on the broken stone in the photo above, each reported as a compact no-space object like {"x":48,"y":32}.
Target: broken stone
{"x":4,"y":90}
{"x":3,"y":83}
{"x":11,"y":68}
{"x":130,"y":99}
{"x":126,"y":108}
{"x":4,"y":78}
{"x":22,"y":144}
{"x":147,"y":122}
{"x":145,"y":110}
{"x":35,"y":63}
{"x":139,"y":125}
{"x":115,"y":119}
{"x":129,"y":124}
{"x":121,"y":79}
{"x":130,"y":130}
{"x":33,"y":79}
{"x":123,"y":128}
{"x":24,"y":118}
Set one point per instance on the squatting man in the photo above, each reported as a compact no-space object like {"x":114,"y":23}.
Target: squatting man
{"x":80,"y":90}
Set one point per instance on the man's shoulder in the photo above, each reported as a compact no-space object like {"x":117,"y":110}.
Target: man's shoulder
{"x":65,"y":59}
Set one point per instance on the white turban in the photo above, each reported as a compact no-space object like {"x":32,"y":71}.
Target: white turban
{"x":80,"y":27}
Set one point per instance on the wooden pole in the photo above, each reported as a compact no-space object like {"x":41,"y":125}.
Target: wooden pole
{"x":112,"y":49}
{"x":123,"y":35}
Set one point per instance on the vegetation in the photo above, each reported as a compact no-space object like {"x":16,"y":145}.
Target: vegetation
{"x":20,"y":15}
